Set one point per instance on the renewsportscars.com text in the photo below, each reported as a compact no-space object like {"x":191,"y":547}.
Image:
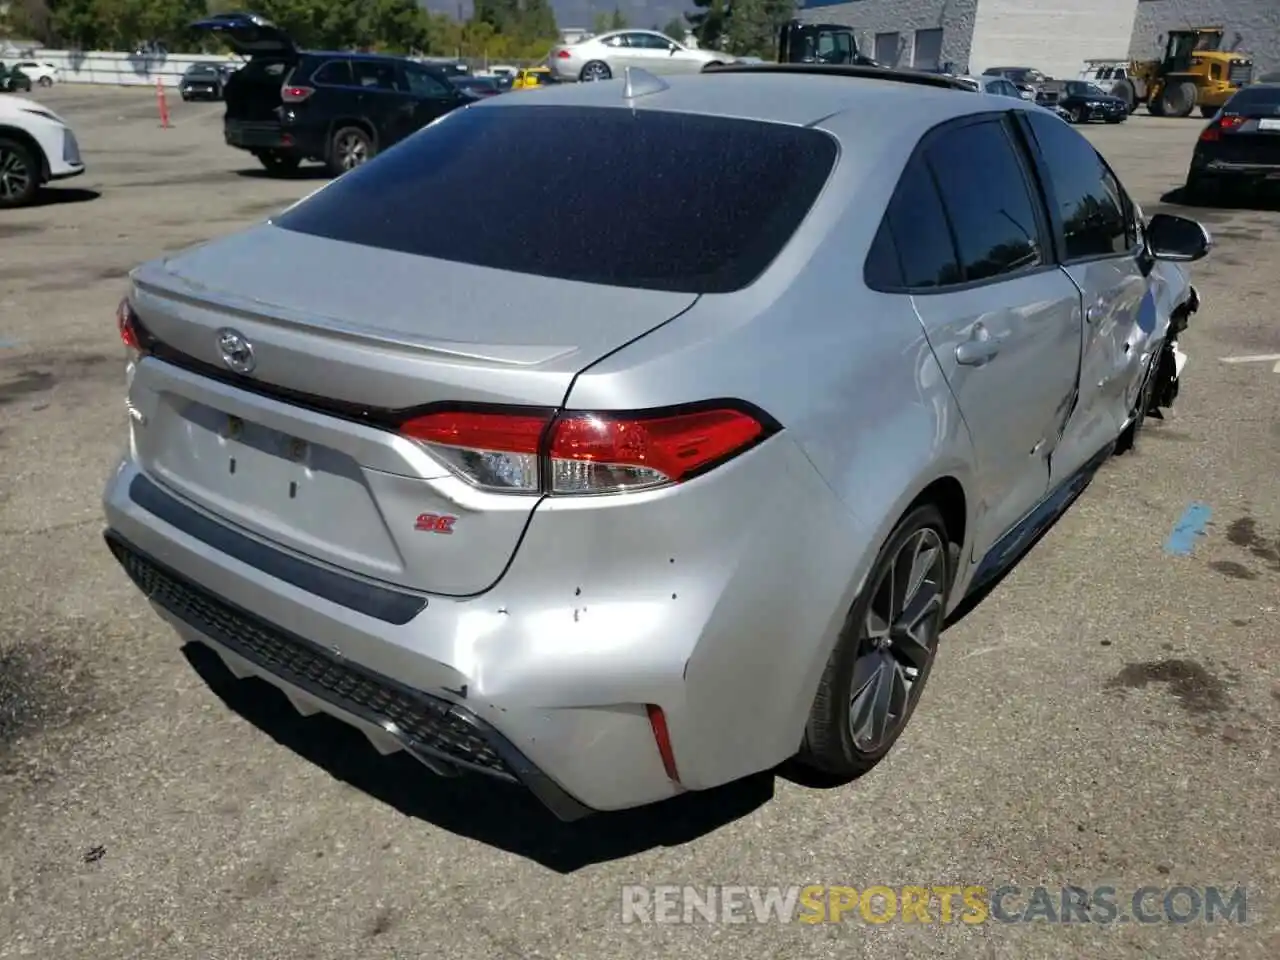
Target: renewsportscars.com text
{"x":935,"y":903}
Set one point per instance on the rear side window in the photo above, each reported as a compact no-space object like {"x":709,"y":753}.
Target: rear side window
{"x":645,"y":198}
{"x":335,"y":73}
{"x":913,"y":248}
{"x":1090,"y":202}
{"x":987,"y":198}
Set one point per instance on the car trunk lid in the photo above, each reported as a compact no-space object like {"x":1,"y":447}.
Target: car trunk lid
{"x":249,"y":34}
{"x":302,"y":450}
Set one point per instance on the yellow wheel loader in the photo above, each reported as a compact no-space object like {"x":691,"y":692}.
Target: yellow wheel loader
{"x":1194,"y":72}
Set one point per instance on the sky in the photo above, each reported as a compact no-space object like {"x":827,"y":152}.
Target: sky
{"x":582,"y":13}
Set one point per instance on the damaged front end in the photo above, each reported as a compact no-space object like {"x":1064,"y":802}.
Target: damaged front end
{"x":1170,"y":364}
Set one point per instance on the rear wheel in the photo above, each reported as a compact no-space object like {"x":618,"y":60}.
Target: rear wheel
{"x":595,"y":70}
{"x":1208,"y":112}
{"x":1076,"y":115}
{"x":350,"y":147}
{"x":19,"y":174}
{"x":45,"y":81}
{"x":878,"y":669}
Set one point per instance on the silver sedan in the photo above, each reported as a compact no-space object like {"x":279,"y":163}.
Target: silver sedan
{"x":605,"y":56}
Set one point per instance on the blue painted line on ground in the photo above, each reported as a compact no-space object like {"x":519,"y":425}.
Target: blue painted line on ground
{"x":1183,"y":538}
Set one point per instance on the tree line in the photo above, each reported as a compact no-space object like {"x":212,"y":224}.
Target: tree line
{"x":498,"y":29}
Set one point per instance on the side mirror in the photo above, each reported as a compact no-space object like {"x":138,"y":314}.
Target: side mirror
{"x":1177,"y":238}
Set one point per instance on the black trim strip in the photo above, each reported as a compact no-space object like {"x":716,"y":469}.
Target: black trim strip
{"x":381,"y":603}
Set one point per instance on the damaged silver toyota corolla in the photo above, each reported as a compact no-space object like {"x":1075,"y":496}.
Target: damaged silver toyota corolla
{"x":664,"y":461}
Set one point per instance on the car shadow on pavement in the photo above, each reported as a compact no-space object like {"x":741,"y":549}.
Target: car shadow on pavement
{"x":474,"y":806}
{"x":54,"y":196}
{"x":1269,"y":203}
{"x":310,"y":172}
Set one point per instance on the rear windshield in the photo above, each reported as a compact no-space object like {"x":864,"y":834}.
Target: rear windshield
{"x":1252,"y":97}
{"x":664,"y":201}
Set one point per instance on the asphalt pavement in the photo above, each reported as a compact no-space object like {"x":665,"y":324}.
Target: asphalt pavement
{"x":1108,"y":716}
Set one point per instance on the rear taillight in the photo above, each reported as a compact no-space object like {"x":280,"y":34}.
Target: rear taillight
{"x":574,"y":453}
{"x":1213,"y":132}
{"x":562,"y":54}
{"x":295,"y":94}
{"x":127,"y":324}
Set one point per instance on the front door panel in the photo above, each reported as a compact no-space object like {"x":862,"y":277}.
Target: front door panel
{"x":1120,"y":318}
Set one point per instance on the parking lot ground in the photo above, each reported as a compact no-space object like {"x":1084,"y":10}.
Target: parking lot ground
{"x":1107,"y":716}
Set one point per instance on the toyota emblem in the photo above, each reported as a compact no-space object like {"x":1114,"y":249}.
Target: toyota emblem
{"x":237,"y":352}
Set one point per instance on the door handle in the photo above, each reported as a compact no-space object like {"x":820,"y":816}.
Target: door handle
{"x":979,"y":349}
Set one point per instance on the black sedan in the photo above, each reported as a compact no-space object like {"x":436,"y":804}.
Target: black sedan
{"x":204,"y":81}
{"x":1082,"y":102}
{"x":1241,"y":145}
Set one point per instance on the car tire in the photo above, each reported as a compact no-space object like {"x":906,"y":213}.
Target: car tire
{"x":1076,"y":114}
{"x":19,"y":174}
{"x":1208,"y":112}
{"x":349,"y":147}
{"x":45,"y":81}
{"x":875,"y":674}
{"x":595,"y":70}
{"x":279,"y":164}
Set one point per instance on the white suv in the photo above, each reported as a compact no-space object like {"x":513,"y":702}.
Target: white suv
{"x":36,"y":146}
{"x":1104,"y":74}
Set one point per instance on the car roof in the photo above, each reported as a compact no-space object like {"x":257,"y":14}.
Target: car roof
{"x":801,"y":98}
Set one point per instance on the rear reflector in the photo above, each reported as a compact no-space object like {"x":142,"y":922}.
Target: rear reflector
{"x":662,"y":737}
{"x":295,"y":94}
{"x":532,"y":451}
{"x":562,"y":54}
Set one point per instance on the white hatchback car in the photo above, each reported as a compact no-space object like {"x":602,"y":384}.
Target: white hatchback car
{"x":36,"y":146}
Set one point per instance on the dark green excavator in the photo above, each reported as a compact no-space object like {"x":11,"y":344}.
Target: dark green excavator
{"x":820,"y":43}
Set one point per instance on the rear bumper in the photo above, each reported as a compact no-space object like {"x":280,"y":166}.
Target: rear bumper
{"x":545,"y":679}
{"x":1205,"y":164}
{"x":261,"y":135}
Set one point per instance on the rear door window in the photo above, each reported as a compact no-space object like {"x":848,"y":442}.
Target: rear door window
{"x":988,"y":199}
{"x":914,"y":248}
{"x":705,"y":203}
{"x":335,"y":73}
